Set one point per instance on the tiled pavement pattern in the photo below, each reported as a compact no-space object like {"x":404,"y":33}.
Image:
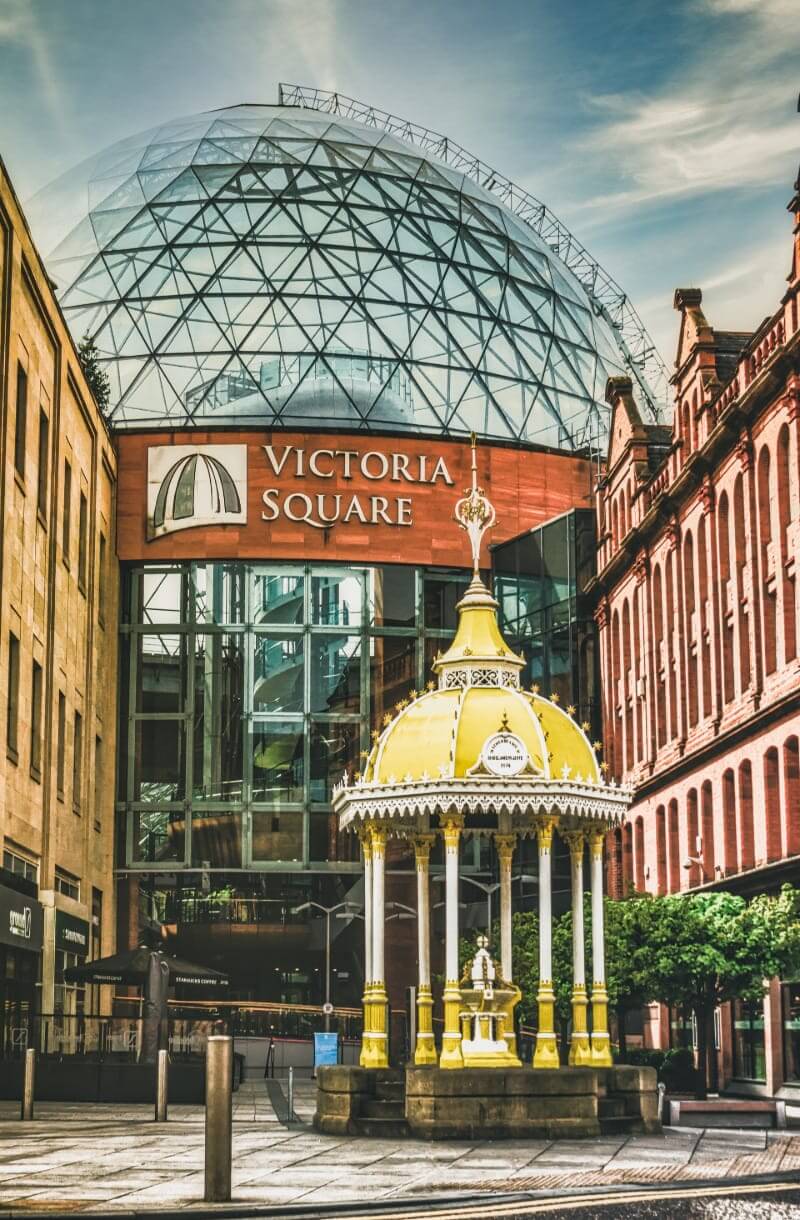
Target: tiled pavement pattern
{"x":108,"y":1157}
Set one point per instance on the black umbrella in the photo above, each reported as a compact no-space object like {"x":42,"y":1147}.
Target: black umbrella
{"x":154,"y":972}
{"x":134,"y":965}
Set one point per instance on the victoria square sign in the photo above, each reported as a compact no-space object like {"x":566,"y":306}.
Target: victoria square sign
{"x":304,"y":496}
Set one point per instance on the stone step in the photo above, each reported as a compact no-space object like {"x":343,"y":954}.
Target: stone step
{"x":610,"y":1107}
{"x":621,"y":1124}
{"x":383,"y":1128}
{"x":383,"y":1108}
{"x":390,"y":1090}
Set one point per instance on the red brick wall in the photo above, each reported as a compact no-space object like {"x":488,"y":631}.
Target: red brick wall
{"x":526,"y":487}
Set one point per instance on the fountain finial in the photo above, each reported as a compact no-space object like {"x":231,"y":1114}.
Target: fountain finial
{"x":475,"y":513}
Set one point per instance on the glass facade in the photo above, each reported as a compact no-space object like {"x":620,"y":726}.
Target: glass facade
{"x":296,"y":269}
{"x":249,"y":689}
{"x":749,"y":1057}
{"x":540,"y":582}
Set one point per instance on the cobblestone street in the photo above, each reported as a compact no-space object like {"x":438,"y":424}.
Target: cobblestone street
{"x":114,"y":1157}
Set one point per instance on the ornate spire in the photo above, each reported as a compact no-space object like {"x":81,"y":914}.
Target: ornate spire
{"x":475,"y":513}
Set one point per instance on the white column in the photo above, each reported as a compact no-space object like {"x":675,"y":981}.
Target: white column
{"x":366,"y":847}
{"x":580,"y":1054}
{"x":378,"y":903}
{"x":546,"y":1053}
{"x":601,"y":1042}
{"x":504,"y":846}
{"x":451,"y":1056}
{"x":425,"y":1048}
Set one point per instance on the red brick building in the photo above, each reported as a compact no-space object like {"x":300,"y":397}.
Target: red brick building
{"x":699,"y":605}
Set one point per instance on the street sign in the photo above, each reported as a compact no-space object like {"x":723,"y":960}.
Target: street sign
{"x":326,"y":1049}
{"x":327,"y":1008}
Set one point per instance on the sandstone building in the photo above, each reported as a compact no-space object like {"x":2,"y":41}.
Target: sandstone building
{"x":58,"y":650}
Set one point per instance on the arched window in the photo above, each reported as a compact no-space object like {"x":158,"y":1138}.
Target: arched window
{"x":639,"y":853}
{"x":627,"y":857}
{"x":638,"y":666}
{"x":692,"y":835}
{"x":747,"y":845}
{"x":767,"y":577}
{"x":616,"y":887}
{"x":673,"y":848}
{"x":614,"y":525}
{"x":687,"y":431}
{"x":661,"y":660}
{"x":707,"y":829}
{"x":740,"y":552}
{"x":791,"y":788}
{"x":703,"y":632}
{"x":671,"y":633}
{"x":627,"y":699}
{"x":731,"y":863}
{"x":727,"y":596}
{"x":616,"y":696}
{"x":661,"y":850}
{"x":772,"y":803}
{"x":787,"y":586}
{"x":692,"y":643}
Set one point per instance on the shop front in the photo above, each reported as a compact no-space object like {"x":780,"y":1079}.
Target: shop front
{"x":21,"y":939}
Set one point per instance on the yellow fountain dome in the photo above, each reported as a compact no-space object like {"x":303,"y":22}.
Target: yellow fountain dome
{"x":479,"y":722}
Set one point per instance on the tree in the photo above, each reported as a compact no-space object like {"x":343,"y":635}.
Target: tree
{"x":93,"y":371}
{"x":706,"y":949}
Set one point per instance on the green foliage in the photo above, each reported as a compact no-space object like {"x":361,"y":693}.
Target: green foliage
{"x":93,"y":371}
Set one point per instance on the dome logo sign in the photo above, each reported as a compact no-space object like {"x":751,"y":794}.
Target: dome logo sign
{"x":189,"y":485}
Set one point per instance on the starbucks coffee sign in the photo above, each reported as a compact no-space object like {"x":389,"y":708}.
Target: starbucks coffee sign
{"x":505,"y":754}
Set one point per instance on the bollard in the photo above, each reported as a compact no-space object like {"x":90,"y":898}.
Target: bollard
{"x":28,"y":1085}
{"x":662,"y":1088}
{"x":162,"y":1086}
{"x":219,"y":1078}
{"x":290,"y":1098}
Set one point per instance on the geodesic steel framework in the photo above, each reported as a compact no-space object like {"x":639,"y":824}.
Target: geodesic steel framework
{"x":293,"y":268}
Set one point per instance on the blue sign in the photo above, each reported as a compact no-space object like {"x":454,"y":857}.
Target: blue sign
{"x":326,"y":1049}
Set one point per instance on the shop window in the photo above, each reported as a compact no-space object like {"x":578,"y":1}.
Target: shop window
{"x":21,"y":423}
{"x":749,"y":1061}
{"x":67,"y":884}
{"x":790,"y":994}
{"x":43,"y":470}
{"x":12,"y":698}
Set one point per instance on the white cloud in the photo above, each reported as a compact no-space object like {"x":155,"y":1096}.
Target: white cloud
{"x":19,"y":27}
{"x":723,"y":120}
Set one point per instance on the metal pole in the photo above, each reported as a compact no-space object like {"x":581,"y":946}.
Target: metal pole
{"x":489,"y":913}
{"x":28,"y":1085}
{"x":327,"y":969}
{"x":219,"y":1072}
{"x":162,"y":1086}
{"x":290,"y":1097}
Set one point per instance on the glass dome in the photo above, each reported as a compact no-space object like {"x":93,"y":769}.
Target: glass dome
{"x":283,"y":267}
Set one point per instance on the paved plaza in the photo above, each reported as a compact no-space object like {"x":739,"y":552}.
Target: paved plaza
{"x":97,"y":1157}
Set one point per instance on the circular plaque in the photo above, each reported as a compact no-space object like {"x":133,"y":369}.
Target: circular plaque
{"x":505,"y":754}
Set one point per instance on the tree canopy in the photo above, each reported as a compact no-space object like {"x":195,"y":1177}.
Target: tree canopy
{"x":93,"y":371}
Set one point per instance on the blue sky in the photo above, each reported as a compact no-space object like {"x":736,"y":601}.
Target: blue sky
{"x":664,"y":134}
